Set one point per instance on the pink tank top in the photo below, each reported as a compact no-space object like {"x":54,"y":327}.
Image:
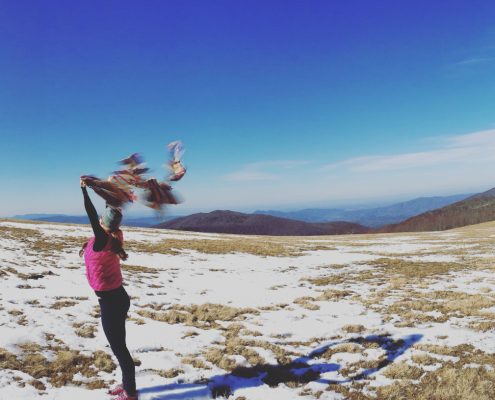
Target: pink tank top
{"x":102,"y":267}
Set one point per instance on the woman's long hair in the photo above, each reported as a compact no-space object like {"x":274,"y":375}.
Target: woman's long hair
{"x":116,"y":246}
{"x":83,"y":248}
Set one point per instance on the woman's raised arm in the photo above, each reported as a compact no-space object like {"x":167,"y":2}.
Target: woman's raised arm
{"x":100,"y":234}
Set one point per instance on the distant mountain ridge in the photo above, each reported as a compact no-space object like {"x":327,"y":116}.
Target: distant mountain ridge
{"x":457,"y":211}
{"x":83,"y":219}
{"x":224,"y":221}
{"x":473,"y":210}
{"x":373,"y":217}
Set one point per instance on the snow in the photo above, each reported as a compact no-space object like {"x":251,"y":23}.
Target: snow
{"x":237,"y":280}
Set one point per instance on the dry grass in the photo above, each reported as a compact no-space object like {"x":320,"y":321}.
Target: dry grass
{"x":137,"y":321}
{"x":139,"y":269}
{"x":17,"y":234}
{"x":6,"y":271}
{"x":335,"y":279}
{"x":424,"y":359}
{"x":234,"y":344}
{"x":190,"y":334}
{"x":19,"y":317}
{"x":274,"y":307}
{"x":406,"y":282}
{"x":341,"y":348}
{"x":195,"y":362}
{"x":62,"y":304}
{"x":416,"y":269}
{"x":395,"y":286}
{"x":247,"y":332}
{"x":450,"y":382}
{"x":256,"y":246}
{"x":305,"y":302}
{"x":402,"y":370}
{"x":203,"y":316}
{"x":85,"y":330}
{"x":394,"y":273}
{"x":466,"y":378}
{"x":483,"y":326}
{"x":38,"y":245}
{"x":413,"y":307}
{"x":353,"y":328}
{"x":217,"y":357}
{"x":170,"y":373}
{"x":61,"y":369}
{"x":334,"y":295}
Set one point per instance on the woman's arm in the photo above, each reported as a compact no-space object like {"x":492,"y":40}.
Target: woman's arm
{"x":101,"y":236}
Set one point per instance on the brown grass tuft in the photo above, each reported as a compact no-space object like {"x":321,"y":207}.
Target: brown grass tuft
{"x":85,"y":330}
{"x":201,"y":316}
{"x":402,"y":370}
{"x":195,"y":362}
{"x":353,"y":328}
{"x":451,"y":381}
{"x":61,"y":370}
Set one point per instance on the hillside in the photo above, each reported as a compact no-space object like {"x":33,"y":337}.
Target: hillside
{"x":473,"y":210}
{"x":222,"y":221}
{"x":374,"y":216}
{"x":368,"y":317}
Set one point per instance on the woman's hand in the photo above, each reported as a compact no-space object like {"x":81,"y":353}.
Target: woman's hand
{"x":83,"y":184}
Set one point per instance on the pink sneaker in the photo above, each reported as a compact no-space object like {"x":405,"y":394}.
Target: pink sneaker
{"x":124,"y":396}
{"x":116,"y":390}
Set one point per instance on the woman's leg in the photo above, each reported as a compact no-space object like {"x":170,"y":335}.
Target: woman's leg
{"x":113,"y":315}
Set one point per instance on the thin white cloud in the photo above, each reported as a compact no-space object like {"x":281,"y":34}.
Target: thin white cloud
{"x":248,"y":175}
{"x":452,"y":165}
{"x":472,"y":147}
{"x":263,"y":171}
{"x":473,"y":61}
{"x":474,"y":139}
{"x":477,"y":60}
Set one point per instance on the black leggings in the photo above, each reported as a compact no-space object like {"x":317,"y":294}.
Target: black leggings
{"x":114,"y":305}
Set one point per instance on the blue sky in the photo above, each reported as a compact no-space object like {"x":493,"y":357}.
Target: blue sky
{"x":280,"y":104}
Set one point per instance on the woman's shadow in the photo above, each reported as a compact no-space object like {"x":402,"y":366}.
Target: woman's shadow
{"x":299,"y":371}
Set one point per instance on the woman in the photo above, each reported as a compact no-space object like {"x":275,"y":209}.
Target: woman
{"x":102,"y":255}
